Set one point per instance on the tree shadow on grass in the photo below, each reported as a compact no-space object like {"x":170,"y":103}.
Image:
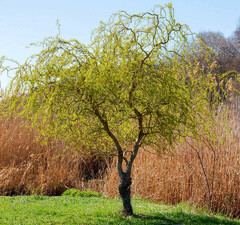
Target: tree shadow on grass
{"x":175,"y":218}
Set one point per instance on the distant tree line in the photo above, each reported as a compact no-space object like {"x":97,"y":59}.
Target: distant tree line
{"x":226,"y":54}
{"x":227,"y":49}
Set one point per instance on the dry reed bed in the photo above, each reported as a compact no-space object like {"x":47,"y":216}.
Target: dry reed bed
{"x":27,"y":167}
{"x":201,"y":175}
{"x":197,"y":173}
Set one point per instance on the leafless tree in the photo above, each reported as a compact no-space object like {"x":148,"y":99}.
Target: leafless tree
{"x":227,"y":54}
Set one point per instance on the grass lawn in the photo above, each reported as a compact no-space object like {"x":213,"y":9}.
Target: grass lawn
{"x":98,"y":210}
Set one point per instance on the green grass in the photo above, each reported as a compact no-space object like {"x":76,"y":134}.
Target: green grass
{"x":75,"y":192}
{"x":98,"y":210}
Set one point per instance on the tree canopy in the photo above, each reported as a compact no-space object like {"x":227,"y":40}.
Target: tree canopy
{"x":138,"y":83}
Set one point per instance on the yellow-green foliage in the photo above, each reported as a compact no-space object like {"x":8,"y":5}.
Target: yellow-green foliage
{"x":140,"y":74}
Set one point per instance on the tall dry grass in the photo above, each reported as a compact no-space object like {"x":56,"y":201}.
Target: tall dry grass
{"x":198,"y":173}
{"x":27,"y":167}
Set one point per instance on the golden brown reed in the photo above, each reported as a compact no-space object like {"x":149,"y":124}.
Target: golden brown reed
{"x":27,"y":167}
{"x":198,"y":173}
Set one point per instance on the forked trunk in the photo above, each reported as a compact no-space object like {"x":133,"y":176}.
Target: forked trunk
{"x":125,"y":177}
{"x":125,"y":193}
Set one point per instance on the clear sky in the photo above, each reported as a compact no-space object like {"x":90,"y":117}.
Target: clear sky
{"x":26,"y":21}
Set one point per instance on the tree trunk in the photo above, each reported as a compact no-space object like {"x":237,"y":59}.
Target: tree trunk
{"x":125,"y":193}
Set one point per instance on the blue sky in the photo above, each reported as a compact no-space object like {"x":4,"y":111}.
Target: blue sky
{"x":25,"y":21}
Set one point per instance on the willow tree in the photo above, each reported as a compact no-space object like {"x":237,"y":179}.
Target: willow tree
{"x":136,"y":85}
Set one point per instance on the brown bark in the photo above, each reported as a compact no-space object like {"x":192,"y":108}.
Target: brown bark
{"x":125,"y":193}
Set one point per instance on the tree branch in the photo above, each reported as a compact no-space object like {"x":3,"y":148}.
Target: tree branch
{"x":112,"y":136}
{"x":137,"y":142}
